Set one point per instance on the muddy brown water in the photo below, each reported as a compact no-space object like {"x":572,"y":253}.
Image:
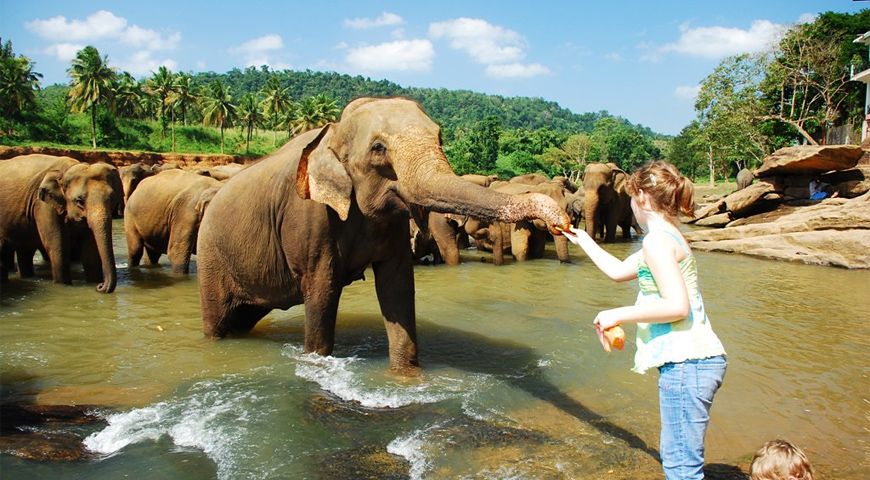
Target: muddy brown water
{"x":514,"y":384}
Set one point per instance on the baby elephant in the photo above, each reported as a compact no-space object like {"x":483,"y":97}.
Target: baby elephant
{"x":163,"y":215}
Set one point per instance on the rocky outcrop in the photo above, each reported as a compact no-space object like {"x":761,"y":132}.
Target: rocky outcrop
{"x":810,"y":160}
{"x":834,"y":232}
{"x":120,"y":158}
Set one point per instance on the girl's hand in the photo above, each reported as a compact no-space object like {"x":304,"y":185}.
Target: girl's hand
{"x":606,"y":319}
{"x":574,"y":235}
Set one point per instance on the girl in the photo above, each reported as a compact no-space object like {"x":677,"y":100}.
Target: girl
{"x":673,"y":332}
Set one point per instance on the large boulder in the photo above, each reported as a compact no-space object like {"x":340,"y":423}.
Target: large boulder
{"x":751,"y":199}
{"x":850,"y":183}
{"x":833,"y":232}
{"x":810,"y":160}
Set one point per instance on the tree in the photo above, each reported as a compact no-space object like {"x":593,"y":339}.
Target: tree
{"x":18,"y":83}
{"x":313,"y":112}
{"x":162,"y":85}
{"x":128,"y":96}
{"x":249,"y":116}
{"x":571,"y":157}
{"x":218,"y":109}
{"x":729,"y":112}
{"x":91,"y":84}
{"x":183,"y":94}
{"x":276,"y":103}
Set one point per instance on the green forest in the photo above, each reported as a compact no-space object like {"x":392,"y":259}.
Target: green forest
{"x":749,"y":106}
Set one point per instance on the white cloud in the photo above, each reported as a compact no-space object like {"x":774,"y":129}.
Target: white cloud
{"x":515,"y":70}
{"x":102,"y":25}
{"x":484,"y":42}
{"x":258,"y":51}
{"x":613,"y":57}
{"x":687,"y":92}
{"x":201,"y":65}
{"x":808,"y":18}
{"x":142,"y":63}
{"x":386,"y":19}
{"x":718,"y":42}
{"x":64,"y":51}
{"x":402,"y":55}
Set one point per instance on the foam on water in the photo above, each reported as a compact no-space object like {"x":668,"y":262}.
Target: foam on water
{"x":212,"y":419}
{"x":410,"y":447}
{"x":345,"y":378}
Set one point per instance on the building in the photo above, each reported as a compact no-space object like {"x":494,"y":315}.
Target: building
{"x":864,"y":77}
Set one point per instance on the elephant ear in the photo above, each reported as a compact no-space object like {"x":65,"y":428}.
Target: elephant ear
{"x":51,"y":192}
{"x":321,"y":177}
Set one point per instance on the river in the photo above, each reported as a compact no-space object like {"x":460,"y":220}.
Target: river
{"x":514,"y":383}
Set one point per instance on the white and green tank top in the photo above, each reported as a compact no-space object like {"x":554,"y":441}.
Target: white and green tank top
{"x":674,"y":342}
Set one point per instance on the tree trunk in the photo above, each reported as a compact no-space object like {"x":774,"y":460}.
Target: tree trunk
{"x":710,"y":161}
{"x":94,"y":126}
{"x":173,"y":129}
{"x":222,"y":138}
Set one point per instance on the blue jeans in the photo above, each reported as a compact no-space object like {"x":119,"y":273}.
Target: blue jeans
{"x":686,"y":392}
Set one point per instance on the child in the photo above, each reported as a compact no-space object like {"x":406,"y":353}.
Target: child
{"x":780,"y":460}
{"x":673,"y":332}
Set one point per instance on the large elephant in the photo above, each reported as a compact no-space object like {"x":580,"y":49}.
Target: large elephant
{"x":63,"y":208}
{"x":163,"y":216}
{"x":320,"y":210}
{"x":606,"y":201}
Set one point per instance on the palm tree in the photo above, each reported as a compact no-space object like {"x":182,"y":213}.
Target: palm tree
{"x":91,"y":84}
{"x":184,"y":94}
{"x":128,"y":96}
{"x":18,"y":82}
{"x":218,"y":108}
{"x":249,"y":116}
{"x":314,"y":112}
{"x":161,"y":85}
{"x":275,"y":104}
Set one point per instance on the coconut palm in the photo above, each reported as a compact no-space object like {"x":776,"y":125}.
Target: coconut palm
{"x":128,"y":96}
{"x":249,"y":116}
{"x":18,"y":82}
{"x":218,"y":108}
{"x":314,"y":112}
{"x":161,"y":85}
{"x":275,"y":104}
{"x":91,"y":84}
{"x":184,"y":94}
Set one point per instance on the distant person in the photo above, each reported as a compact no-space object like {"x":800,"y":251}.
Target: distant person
{"x":780,"y":460}
{"x":820,"y":190}
{"x":674,"y":335}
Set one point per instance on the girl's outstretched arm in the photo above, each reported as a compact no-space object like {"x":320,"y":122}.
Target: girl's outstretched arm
{"x":616,"y":269}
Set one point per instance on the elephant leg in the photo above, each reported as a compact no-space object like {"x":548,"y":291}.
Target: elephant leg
{"x":181,"y":241}
{"x":219,"y":318}
{"x":562,"y":248}
{"x":153,"y":255}
{"x":135,"y":245}
{"x":520,"y":242}
{"x":54,"y":236}
{"x":90,"y":257}
{"x":321,"y":309}
{"x":24,"y":257}
{"x":7,"y":261}
{"x":394,"y":284}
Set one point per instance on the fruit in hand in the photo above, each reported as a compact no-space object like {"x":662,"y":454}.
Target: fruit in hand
{"x":615,"y":337}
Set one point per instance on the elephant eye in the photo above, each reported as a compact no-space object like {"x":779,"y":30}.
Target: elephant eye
{"x":379,"y":148}
{"x":80,"y":201}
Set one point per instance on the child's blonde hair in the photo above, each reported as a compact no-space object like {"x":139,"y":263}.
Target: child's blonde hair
{"x":669,"y":191}
{"x":780,"y":460}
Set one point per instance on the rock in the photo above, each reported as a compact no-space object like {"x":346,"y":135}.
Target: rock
{"x":833,"y":232}
{"x":810,"y":160}
{"x":850,"y":183}
{"x":32,"y":432}
{"x":718,"y":220}
{"x":705,"y":211}
{"x":751,"y":199}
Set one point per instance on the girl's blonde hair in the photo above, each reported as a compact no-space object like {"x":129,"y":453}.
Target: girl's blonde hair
{"x":669,"y":191}
{"x":780,"y":460}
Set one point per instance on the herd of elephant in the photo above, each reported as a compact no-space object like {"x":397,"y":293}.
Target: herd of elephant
{"x":298,"y":225}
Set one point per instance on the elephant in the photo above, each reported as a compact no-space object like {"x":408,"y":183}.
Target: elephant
{"x":131,"y":175}
{"x":325,"y":206}
{"x":221,"y":172}
{"x":63,"y":208}
{"x":530,"y":179}
{"x":745,"y":177}
{"x":606,"y":201}
{"x":163,"y":216}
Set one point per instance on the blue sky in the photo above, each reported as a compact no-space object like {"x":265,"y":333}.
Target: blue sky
{"x":639,"y":60}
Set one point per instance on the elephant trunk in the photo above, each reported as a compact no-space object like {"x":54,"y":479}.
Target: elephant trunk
{"x":100,"y":223}
{"x":591,"y":205}
{"x":428,"y":180}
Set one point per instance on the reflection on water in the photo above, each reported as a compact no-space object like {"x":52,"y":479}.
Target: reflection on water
{"x":514,"y":382}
